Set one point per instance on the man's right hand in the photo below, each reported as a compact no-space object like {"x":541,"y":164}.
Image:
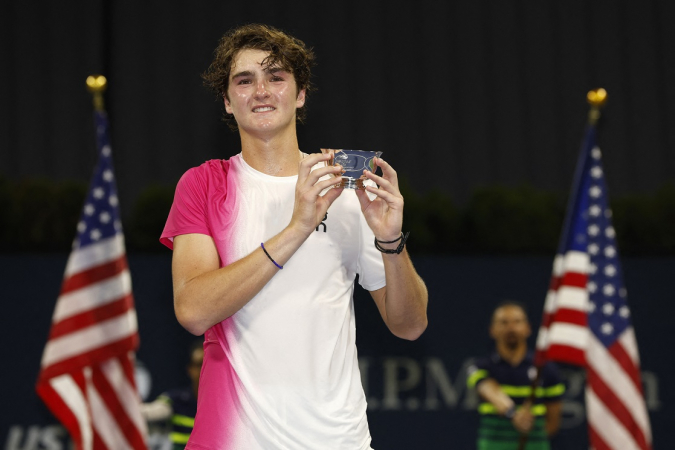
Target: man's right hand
{"x":523,"y":420}
{"x":311,"y":207}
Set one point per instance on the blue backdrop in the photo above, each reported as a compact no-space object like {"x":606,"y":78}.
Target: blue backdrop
{"x":416,"y":390}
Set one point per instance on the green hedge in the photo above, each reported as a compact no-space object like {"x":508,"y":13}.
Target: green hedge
{"x":41,"y":215}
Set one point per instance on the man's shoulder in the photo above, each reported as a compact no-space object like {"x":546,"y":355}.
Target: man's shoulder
{"x":213,"y":166}
{"x":481,"y":362}
{"x":206,"y":173}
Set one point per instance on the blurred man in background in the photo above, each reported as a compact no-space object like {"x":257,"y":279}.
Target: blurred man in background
{"x":179,"y":406}
{"x":504,"y":383}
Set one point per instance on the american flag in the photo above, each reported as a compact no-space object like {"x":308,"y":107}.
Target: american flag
{"x":87,"y":370}
{"x":586,"y":318}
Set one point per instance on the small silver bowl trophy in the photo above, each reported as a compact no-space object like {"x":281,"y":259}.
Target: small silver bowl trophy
{"x":353,"y":163}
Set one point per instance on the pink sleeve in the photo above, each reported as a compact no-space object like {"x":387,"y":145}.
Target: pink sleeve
{"x":189,"y":209}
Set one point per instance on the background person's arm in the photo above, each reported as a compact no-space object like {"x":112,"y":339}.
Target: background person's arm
{"x":553,"y":416}
{"x":490,"y":391}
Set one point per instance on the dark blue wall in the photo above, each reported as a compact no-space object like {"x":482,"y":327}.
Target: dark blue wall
{"x":416,"y":389}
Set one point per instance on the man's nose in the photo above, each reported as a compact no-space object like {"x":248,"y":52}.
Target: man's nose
{"x":261,"y":89}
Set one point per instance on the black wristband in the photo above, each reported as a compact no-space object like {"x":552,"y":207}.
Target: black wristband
{"x":403,"y":238}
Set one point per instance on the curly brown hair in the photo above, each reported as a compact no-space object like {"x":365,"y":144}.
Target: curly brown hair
{"x":285,"y":51}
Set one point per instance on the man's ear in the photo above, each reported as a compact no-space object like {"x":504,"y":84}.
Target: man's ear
{"x":228,"y":107}
{"x":300,"y":101}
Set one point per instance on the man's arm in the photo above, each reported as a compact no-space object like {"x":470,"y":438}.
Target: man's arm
{"x":522,"y":417}
{"x":206,"y":294}
{"x":490,"y":391}
{"x":403,"y":301}
{"x":553,"y":415}
{"x":160,"y":409}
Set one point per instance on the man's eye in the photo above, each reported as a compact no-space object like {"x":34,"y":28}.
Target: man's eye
{"x":244,"y":81}
{"x":277,"y":78}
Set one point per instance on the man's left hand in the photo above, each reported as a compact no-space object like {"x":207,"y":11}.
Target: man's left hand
{"x":384,"y":213}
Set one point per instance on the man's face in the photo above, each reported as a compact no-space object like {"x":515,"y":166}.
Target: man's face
{"x":510,"y":326}
{"x":262,"y":99}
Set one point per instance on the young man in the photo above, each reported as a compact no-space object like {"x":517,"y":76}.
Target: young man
{"x":270,"y":288}
{"x":504,"y":382}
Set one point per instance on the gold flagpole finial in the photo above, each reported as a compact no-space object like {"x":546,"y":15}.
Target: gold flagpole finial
{"x":97,"y":84}
{"x":597,"y":99}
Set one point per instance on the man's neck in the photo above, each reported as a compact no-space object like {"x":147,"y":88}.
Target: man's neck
{"x":512,"y":355}
{"x":277,"y":155}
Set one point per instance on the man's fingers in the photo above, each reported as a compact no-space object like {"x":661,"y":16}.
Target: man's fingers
{"x":331,"y":195}
{"x":325,"y":184}
{"x":362,"y":195}
{"x":383,"y":183}
{"x":391,"y":199}
{"x":306,"y":164}
{"x":388,"y":172}
{"x":313,"y":176}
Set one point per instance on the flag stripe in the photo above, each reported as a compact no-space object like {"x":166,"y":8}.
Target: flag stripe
{"x":95,"y":254}
{"x":110,"y":394}
{"x":629,"y":343}
{"x":617,"y":384}
{"x":90,"y":338}
{"x":574,"y":279}
{"x":552,"y":288}
{"x":63,"y":411}
{"x":70,"y":391}
{"x":605,"y":424}
{"x":128,"y":369}
{"x":618,"y":380}
{"x":84,"y":359}
{"x":572,"y":297}
{"x":567,"y":354}
{"x":615,"y":407}
{"x":561,"y":333}
{"x":596,"y":439}
{"x":104,"y":420}
{"x":623,"y":359}
{"x":92,"y":296}
{"x":98,"y":442}
{"x":572,"y":317}
{"x":94,"y":275}
{"x":117,"y":374}
{"x":92,"y":317}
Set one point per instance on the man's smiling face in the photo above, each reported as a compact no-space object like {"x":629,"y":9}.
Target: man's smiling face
{"x":262,"y":99}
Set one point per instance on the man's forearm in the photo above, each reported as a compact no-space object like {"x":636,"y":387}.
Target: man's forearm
{"x":406,"y":297}
{"x":214,"y":295}
{"x":490,"y":391}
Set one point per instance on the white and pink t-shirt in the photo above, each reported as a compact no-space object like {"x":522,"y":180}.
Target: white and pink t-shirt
{"x":282,"y":372}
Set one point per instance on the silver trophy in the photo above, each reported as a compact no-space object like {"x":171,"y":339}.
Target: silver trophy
{"x":353,"y":163}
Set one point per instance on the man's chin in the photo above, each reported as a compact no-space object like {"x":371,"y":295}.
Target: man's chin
{"x":513,"y":343}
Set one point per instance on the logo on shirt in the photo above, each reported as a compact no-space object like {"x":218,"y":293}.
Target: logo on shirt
{"x":323,"y":222}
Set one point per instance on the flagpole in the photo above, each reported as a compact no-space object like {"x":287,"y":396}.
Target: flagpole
{"x":596,"y":98}
{"x":96,"y":85}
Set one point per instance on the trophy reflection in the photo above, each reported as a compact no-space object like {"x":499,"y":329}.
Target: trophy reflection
{"x":353,"y":163}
